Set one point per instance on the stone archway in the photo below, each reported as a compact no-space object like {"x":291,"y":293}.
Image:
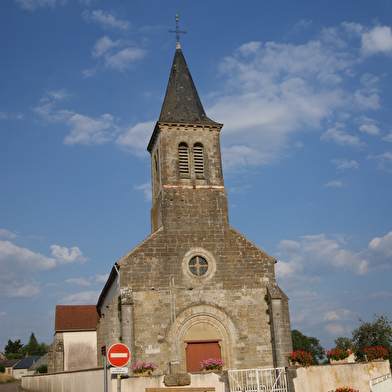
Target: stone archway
{"x":206,"y":323}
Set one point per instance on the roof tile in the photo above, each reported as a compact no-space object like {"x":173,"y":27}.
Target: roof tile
{"x":75,"y":317}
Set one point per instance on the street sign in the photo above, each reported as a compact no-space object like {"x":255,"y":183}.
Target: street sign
{"x":119,"y":370}
{"x":118,"y":355}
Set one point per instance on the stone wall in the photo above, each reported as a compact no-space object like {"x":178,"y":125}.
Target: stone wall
{"x":329,"y":377}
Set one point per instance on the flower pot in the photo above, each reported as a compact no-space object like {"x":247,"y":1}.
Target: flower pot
{"x":143,"y":374}
{"x":211,"y":370}
{"x":295,"y":364}
{"x":349,"y":359}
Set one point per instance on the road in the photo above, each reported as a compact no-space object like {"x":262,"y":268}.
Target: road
{"x":11,"y":387}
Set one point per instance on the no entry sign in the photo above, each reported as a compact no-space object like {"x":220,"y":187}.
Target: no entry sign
{"x":118,"y":355}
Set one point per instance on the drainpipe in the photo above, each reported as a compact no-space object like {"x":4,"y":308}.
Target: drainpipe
{"x":54,"y":351}
{"x":119,"y":286}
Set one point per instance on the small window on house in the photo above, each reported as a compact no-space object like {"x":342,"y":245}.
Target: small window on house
{"x":198,"y":160}
{"x":183,"y":160}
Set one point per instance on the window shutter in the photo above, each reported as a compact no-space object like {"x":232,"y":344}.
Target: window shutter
{"x":198,"y":160}
{"x":183,"y":160}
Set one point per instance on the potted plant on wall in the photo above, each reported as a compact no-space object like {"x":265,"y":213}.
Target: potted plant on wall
{"x":340,"y":356}
{"x":376,"y":353}
{"x":344,"y":389}
{"x":143,"y":368}
{"x":211,"y":364}
{"x":300,"y":358}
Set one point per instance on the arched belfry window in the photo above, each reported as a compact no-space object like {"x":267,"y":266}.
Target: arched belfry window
{"x":183,"y":160}
{"x":198,"y":160}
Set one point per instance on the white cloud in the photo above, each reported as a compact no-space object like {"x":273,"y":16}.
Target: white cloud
{"x":124,"y":59}
{"x":83,"y":298}
{"x":388,"y":138}
{"x":342,"y":164}
{"x":275,"y":90}
{"x":84,"y":129}
{"x":103,"y":45}
{"x":20,"y":289}
{"x":382,"y":246}
{"x":106,"y":19}
{"x":383,"y":159}
{"x":367,"y":125}
{"x":334,"y":329}
{"x":87,"y":130}
{"x":18,"y":265}
{"x":334,"y":184}
{"x":146,"y":189}
{"x":100,"y":279}
{"x":370,"y":129}
{"x":377,"y":40}
{"x":78,"y":282}
{"x":340,"y":137}
{"x":373,"y":40}
{"x":117,"y":55}
{"x":288,"y":246}
{"x":317,"y":256}
{"x":7,"y":234}
{"x":136,"y":138}
{"x":31,"y":5}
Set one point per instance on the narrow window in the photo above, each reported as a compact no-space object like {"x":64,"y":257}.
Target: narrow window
{"x":198,"y":160}
{"x":183,"y":160}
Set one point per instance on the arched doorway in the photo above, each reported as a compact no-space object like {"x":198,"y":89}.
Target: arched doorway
{"x":203,"y":332}
{"x":198,"y":351}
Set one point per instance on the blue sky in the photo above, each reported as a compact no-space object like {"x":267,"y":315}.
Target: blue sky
{"x":304,"y":90}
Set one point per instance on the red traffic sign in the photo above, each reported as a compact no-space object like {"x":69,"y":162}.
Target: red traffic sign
{"x":118,"y":355}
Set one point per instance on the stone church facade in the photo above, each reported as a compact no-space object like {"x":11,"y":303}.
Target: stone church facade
{"x":195,"y":288}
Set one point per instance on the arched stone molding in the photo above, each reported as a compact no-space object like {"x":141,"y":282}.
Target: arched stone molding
{"x":217,"y":322}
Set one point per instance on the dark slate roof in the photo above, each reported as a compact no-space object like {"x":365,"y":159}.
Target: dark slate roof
{"x":42,"y":361}
{"x":26,"y":362}
{"x":10,"y":362}
{"x":75,"y":317}
{"x":182,"y":102}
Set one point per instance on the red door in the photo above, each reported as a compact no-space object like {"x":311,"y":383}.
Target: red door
{"x":197,"y":351}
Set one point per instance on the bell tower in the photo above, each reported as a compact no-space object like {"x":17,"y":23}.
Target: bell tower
{"x":186,"y":167}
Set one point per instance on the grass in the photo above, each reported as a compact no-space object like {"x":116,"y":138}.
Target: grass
{"x":5,"y":379}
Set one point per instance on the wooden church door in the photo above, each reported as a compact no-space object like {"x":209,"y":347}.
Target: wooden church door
{"x":197,"y":351}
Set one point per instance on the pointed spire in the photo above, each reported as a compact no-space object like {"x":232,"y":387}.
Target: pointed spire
{"x":182,"y":102}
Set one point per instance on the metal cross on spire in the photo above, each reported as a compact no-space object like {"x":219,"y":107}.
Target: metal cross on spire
{"x":177,"y":31}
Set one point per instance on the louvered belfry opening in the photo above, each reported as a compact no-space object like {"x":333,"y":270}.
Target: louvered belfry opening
{"x":198,"y":160}
{"x":183,"y":160}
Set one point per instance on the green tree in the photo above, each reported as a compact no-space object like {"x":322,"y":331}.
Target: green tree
{"x":42,"y":369}
{"x":32,"y":347}
{"x":13,"y":347}
{"x":342,"y":342}
{"x":311,"y":344}
{"x":370,"y":334}
{"x":2,"y":368}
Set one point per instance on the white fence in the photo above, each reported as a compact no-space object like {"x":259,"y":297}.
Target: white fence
{"x":258,"y":380}
{"x":381,"y":384}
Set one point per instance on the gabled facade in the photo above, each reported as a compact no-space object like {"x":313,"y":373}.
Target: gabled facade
{"x":75,"y":343}
{"x":22,"y":367}
{"x":195,"y":288}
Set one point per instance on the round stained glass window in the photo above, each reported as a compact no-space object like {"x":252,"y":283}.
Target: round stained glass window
{"x":198,"y":265}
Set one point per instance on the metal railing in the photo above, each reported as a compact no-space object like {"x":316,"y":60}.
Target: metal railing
{"x":258,"y":380}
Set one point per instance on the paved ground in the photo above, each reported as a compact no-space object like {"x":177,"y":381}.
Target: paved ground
{"x":11,"y":387}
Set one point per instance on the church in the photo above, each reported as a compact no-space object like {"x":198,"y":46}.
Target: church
{"x":195,"y":288}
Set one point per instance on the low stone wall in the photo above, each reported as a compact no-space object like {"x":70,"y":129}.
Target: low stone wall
{"x":328,"y":377}
{"x":92,"y":381}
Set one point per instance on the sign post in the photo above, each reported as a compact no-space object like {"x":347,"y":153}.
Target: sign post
{"x":105,"y":374}
{"x":118,"y":356}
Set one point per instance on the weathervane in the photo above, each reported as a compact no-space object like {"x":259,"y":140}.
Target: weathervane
{"x":177,"y":31}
